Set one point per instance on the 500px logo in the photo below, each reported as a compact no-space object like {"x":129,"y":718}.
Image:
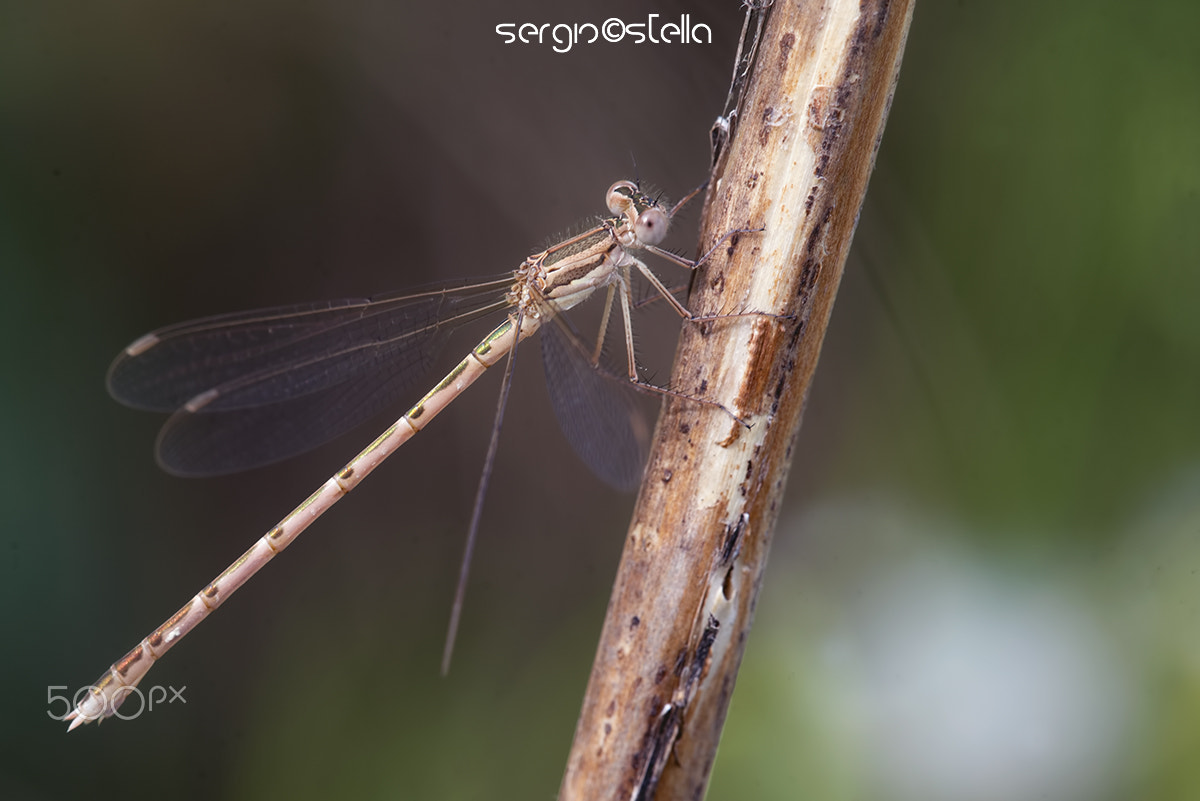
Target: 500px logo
{"x":612,"y":30}
{"x":156,"y":695}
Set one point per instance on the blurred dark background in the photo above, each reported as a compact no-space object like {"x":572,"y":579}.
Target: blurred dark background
{"x":986,"y":582}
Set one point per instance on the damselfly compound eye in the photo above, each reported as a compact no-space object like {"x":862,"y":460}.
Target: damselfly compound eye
{"x":620,"y":195}
{"x":651,"y":226}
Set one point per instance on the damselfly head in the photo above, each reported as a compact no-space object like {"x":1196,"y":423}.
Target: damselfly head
{"x":649,"y":220}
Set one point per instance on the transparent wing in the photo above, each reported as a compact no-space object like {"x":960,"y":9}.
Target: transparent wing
{"x":597,"y":409}
{"x":255,"y":387}
{"x":214,"y":443}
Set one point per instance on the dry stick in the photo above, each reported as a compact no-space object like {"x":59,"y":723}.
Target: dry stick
{"x":684,"y":596}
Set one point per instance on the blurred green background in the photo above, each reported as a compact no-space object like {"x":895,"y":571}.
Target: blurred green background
{"x":985,"y":584}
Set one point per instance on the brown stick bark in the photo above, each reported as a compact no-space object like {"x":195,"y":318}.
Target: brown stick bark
{"x":798,"y":164}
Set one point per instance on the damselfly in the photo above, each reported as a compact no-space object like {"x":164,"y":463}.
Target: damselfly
{"x":251,"y":388}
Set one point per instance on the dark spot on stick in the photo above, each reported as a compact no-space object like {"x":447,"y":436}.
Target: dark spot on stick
{"x":785,"y":49}
{"x":733,"y":538}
